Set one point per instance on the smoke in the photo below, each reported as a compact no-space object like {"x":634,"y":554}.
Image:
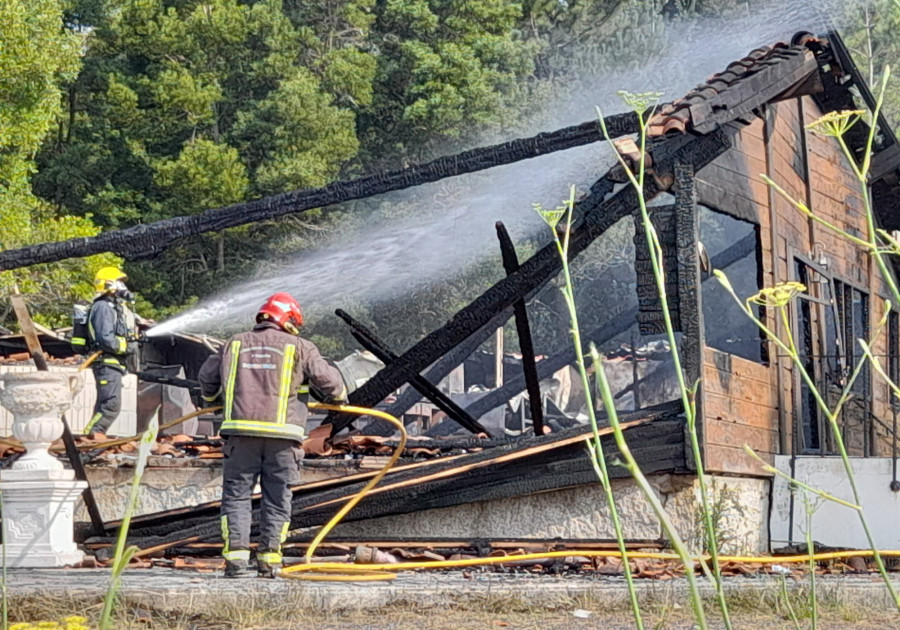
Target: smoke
{"x":386,"y":259}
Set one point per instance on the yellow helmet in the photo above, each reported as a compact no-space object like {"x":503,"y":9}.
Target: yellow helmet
{"x":105,"y":278}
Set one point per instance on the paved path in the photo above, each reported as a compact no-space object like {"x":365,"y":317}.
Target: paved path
{"x":164,"y":588}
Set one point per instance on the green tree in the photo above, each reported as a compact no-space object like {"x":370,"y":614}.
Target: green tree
{"x":871,"y":34}
{"x":185,"y":105}
{"x":37,"y":55}
{"x":449,"y":72}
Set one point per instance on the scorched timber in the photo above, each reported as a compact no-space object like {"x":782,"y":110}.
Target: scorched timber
{"x":444,"y":366}
{"x":595,"y":216}
{"x":373,"y":344}
{"x":297,"y":546}
{"x":522,"y":467}
{"x":617,"y":325}
{"x":523,"y":330}
{"x":151,"y":238}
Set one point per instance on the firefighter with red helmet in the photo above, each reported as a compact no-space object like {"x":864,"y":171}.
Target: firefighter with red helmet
{"x":258,"y":375}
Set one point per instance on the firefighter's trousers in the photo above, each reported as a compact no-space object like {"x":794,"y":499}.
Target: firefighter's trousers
{"x":274,"y":462}
{"x":108,"y":381}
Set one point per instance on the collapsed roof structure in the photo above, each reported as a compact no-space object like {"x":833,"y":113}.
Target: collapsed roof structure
{"x":705,"y":150}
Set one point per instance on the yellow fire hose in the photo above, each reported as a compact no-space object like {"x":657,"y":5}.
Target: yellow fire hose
{"x":341,"y":572}
{"x":336,"y":571}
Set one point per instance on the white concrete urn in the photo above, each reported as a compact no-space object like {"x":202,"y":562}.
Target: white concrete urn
{"x":37,"y":401}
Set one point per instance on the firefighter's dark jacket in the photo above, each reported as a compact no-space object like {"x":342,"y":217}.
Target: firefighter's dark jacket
{"x":109,"y":330}
{"x":259,"y":374}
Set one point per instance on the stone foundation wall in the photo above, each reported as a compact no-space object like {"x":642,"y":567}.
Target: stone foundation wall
{"x":185,"y":483}
{"x":161,"y":489}
{"x":740,"y":506}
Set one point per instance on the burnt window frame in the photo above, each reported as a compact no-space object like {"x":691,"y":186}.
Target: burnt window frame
{"x":707,"y":275}
{"x":825,"y":367}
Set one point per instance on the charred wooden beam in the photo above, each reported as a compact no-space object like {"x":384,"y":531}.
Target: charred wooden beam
{"x":749,"y":93}
{"x":297,"y":545}
{"x":151,"y":238}
{"x":615,"y":326}
{"x":523,"y":466}
{"x":437,"y":372}
{"x":686,"y":233}
{"x":547,"y":367}
{"x":594,"y":216}
{"x":650,"y":314}
{"x":370,"y":342}
{"x":523,"y":329}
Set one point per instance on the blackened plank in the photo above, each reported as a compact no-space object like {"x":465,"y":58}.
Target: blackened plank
{"x":151,"y":238}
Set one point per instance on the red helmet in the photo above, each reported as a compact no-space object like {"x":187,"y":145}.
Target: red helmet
{"x":282,"y":309}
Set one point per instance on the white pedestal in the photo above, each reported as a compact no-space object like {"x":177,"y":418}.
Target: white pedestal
{"x":38,"y":510}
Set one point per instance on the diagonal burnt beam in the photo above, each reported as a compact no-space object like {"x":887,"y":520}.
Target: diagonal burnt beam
{"x":615,"y":326}
{"x":151,"y":238}
{"x":594,"y":216}
{"x":370,"y":342}
{"x":523,"y":329}
{"x":447,"y":363}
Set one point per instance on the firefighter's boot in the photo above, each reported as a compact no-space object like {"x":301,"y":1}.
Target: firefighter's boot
{"x":236,"y":569}
{"x":268,"y":564}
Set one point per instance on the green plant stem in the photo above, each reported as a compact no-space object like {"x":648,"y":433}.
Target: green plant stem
{"x":598,"y":457}
{"x":123,"y":556}
{"x":811,"y":549}
{"x":895,"y":389}
{"x":875,"y":248}
{"x":771,"y":469}
{"x":632,"y":466}
{"x":831,"y":416}
{"x":787,"y":603}
{"x":687,"y":395}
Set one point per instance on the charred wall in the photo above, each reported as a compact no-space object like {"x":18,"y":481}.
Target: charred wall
{"x":761,"y":403}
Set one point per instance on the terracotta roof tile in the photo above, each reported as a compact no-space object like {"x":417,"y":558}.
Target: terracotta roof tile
{"x":682,"y":115}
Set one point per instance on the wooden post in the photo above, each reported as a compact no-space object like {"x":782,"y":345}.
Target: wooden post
{"x":498,"y":357}
{"x":523,"y":329}
{"x":37,"y":354}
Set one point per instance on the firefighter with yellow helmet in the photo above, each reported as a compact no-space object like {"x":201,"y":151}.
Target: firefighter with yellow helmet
{"x":112,"y":329}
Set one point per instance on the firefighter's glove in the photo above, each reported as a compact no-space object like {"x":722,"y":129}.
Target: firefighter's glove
{"x":326,"y":399}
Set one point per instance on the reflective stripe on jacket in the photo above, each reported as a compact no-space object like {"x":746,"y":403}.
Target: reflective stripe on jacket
{"x":260,"y":373}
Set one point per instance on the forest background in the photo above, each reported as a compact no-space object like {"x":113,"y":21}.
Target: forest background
{"x":118,"y":112}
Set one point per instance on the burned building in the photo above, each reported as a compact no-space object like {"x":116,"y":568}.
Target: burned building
{"x":712,"y":210}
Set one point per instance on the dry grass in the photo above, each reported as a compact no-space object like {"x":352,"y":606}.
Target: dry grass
{"x":468,"y":614}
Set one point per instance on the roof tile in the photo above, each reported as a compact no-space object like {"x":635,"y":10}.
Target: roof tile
{"x":676,"y":117}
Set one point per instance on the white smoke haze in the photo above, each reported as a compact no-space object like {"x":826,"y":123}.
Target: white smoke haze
{"x":385,"y":260}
